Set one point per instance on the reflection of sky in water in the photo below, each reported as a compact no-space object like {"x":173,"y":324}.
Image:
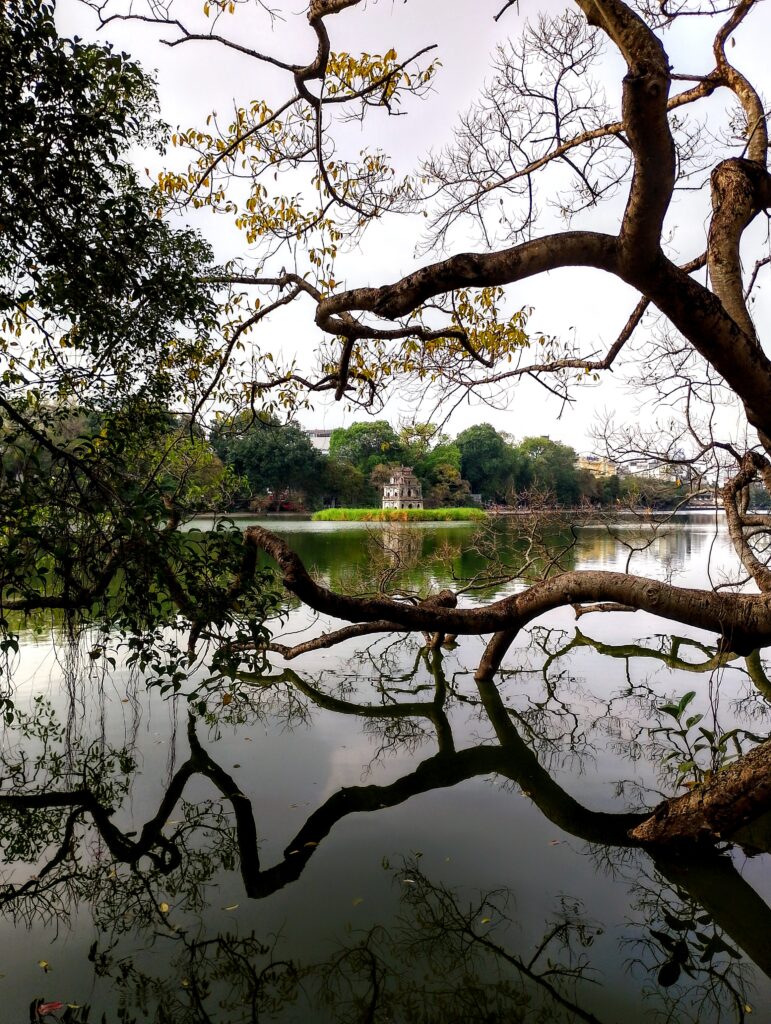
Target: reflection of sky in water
{"x":587,"y":718}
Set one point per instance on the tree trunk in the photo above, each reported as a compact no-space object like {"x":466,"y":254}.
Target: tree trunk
{"x":715,"y":810}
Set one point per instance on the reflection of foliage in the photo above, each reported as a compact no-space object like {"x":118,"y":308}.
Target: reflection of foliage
{"x":687,"y":747}
{"x":439,"y":961}
{"x":681,"y":941}
{"x":45,"y":759}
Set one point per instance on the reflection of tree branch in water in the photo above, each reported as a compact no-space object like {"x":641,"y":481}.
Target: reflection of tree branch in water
{"x":707,"y":876}
{"x":445,"y":959}
{"x":432,"y":710}
{"x":671,"y":658}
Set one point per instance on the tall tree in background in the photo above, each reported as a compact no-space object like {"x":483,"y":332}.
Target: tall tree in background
{"x":551,"y":467}
{"x":273,"y":458}
{"x":366,"y":445}
{"x":490,"y":464}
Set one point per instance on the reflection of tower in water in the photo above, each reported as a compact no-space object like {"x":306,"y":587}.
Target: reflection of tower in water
{"x":398,"y":545}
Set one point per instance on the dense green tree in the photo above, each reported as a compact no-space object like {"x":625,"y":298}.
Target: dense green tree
{"x":104,"y":322}
{"x":418,"y":439}
{"x":551,"y":468}
{"x":85,"y":264}
{"x":488,"y":463}
{"x":446,"y":453}
{"x":272,"y":457}
{"x":366,"y":444}
{"x":447,"y":488}
{"x":346,"y":486}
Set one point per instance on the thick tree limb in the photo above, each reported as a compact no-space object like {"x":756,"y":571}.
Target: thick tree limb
{"x":715,"y":809}
{"x":743,"y":620}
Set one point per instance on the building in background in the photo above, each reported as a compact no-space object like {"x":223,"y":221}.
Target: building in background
{"x":320,"y":439}
{"x":402,"y":489}
{"x":597,"y":465}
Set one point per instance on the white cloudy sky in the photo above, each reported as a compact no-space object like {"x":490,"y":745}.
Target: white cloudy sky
{"x":197,"y":78}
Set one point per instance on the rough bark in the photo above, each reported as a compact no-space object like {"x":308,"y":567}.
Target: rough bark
{"x":714,"y":810}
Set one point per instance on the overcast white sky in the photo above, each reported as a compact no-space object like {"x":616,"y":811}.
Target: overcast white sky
{"x":198,"y":77}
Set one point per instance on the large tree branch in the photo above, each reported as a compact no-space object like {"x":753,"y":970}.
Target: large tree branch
{"x":472,"y":270}
{"x":743,"y":620}
{"x":716,"y":809}
{"x":644,"y":112}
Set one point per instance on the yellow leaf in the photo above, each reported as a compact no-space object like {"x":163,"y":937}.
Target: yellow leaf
{"x":164,"y":907}
{"x":233,"y":906}
{"x":44,"y":964}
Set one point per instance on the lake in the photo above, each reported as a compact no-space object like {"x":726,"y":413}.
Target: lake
{"x":364,"y":834}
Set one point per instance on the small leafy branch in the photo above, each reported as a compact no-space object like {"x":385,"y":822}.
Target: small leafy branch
{"x":695,"y":751}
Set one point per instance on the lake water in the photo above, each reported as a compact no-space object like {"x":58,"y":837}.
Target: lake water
{"x":365,"y":835}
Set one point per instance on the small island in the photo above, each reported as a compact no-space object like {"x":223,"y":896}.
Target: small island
{"x":402,"y":502}
{"x":398,"y":515}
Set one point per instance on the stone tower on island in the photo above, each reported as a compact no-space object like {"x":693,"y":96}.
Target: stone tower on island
{"x":403,"y":489}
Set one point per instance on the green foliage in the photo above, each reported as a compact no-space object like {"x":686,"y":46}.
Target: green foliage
{"x":348,"y":486}
{"x":488,"y":463}
{"x":271,"y":457}
{"x":85,"y":264}
{"x":366,"y":445}
{"x":695,"y":751}
{"x":103,"y":320}
{"x":551,"y":467}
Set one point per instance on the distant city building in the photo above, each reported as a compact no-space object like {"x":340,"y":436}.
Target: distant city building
{"x":597,"y":465}
{"x":403,"y":489}
{"x":649,"y":468}
{"x":320,"y":439}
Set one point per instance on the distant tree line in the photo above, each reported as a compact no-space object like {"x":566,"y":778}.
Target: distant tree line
{"x":262,"y":464}
{"x":280,"y":468}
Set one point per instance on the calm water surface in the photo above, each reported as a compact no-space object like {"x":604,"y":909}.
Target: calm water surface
{"x":363,"y":834}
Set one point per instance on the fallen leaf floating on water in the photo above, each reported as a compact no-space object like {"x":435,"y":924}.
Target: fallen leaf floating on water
{"x":45,"y":1008}
{"x":233,"y":906}
{"x":358,"y":900}
{"x":555,"y":842}
{"x":485,"y":920}
{"x":164,"y":907}
{"x":44,"y":964}
{"x":227,"y":698}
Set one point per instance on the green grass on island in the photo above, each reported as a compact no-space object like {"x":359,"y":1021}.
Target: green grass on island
{"x":398,"y":515}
